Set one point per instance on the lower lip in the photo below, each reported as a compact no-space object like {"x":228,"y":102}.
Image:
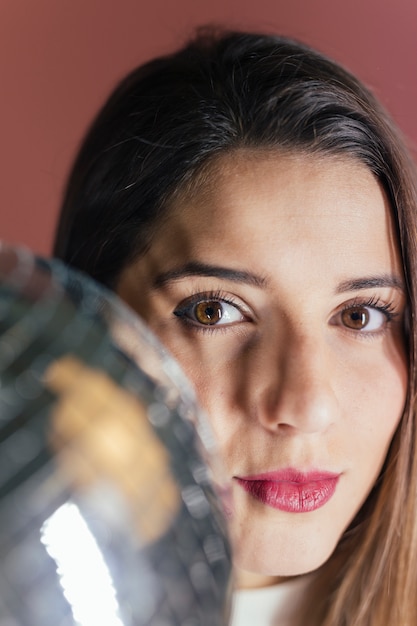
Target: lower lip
{"x":292,"y":496}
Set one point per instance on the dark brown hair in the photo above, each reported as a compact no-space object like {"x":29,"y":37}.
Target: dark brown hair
{"x":169,"y":119}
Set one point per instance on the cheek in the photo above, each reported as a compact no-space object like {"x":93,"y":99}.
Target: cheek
{"x":373,"y":404}
{"x":217,"y":389}
{"x":214,"y":367}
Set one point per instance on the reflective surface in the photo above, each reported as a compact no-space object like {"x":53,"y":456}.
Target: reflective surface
{"x":110,"y":490}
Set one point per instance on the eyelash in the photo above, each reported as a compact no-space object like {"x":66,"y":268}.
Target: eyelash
{"x":202,"y":296}
{"x":374,"y":302}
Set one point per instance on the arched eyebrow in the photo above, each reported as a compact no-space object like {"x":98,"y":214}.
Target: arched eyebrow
{"x":207,"y":270}
{"x":369,"y":282}
{"x":249,"y":278}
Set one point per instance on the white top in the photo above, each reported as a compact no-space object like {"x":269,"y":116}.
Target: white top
{"x":269,"y":606}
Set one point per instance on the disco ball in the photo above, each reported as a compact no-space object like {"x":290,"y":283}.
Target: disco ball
{"x":111,"y":493}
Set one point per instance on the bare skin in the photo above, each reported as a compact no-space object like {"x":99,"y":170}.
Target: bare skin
{"x":278,"y":287}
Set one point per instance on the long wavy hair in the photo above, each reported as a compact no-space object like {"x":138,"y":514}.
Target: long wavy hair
{"x":162,"y":126}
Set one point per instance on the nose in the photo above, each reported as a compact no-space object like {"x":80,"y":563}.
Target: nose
{"x":299,"y":394}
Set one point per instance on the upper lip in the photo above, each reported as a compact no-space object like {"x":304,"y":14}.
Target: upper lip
{"x":292,"y":475}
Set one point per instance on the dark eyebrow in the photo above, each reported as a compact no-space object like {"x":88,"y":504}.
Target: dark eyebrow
{"x":215,"y":271}
{"x":369,"y":282}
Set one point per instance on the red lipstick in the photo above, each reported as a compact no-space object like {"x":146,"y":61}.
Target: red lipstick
{"x":291,"y":490}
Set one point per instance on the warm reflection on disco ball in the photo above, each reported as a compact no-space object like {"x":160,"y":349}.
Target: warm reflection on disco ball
{"x":110,"y":491}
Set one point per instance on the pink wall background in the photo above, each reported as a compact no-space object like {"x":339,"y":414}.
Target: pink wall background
{"x":60,"y":58}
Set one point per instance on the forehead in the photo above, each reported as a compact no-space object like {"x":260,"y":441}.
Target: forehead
{"x":248,"y":201}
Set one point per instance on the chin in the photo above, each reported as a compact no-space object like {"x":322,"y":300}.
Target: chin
{"x":284,"y":562}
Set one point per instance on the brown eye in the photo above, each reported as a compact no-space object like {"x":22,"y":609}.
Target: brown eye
{"x":356,"y":318}
{"x":208,"y":312}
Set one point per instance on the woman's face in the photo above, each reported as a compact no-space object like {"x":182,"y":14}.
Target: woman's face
{"x":278,"y":286}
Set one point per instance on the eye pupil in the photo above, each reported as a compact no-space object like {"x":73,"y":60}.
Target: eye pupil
{"x":208,"y":313}
{"x":356,"y":318}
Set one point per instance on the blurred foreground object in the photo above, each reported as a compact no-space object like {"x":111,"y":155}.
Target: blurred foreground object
{"x":110,"y":489}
